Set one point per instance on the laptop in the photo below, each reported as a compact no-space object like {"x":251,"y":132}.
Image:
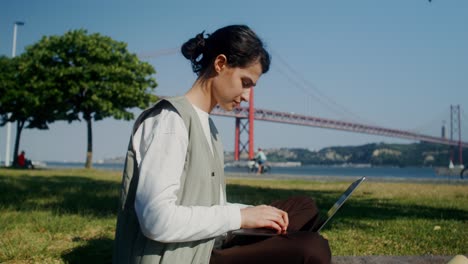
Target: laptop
{"x":315,"y":228}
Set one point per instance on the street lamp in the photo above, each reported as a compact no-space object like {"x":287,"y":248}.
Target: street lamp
{"x":8,"y":125}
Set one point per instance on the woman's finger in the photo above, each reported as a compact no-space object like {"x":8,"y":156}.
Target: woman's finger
{"x":281,"y":217}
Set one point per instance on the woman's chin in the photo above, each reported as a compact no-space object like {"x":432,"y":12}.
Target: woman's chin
{"x":227,"y":107}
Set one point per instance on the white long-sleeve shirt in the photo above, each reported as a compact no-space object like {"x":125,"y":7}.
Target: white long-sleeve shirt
{"x":160,"y":143}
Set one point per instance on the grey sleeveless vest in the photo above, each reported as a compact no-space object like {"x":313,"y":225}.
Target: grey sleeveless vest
{"x":200,"y":185}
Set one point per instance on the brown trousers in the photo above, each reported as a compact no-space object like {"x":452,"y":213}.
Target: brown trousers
{"x":297,"y":247}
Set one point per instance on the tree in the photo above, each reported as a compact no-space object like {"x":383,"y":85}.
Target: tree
{"x":90,"y":77}
{"x":23,"y":103}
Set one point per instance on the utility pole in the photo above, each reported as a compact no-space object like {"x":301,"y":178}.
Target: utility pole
{"x":8,"y":125}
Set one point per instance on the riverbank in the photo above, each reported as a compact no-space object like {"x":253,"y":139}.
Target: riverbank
{"x":269,"y":176}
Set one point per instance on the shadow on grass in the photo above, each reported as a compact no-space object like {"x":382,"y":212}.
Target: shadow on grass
{"x":94,"y":251}
{"x":357,"y":207}
{"x":81,"y":195}
{"x":60,"y":194}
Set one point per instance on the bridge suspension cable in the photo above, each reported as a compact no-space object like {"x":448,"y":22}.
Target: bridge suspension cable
{"x":310,"y":89}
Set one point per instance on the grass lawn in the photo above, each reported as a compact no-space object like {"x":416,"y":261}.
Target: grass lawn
{"x":68,"y":216}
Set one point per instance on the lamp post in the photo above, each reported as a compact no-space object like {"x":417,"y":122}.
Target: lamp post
{"x":8,"y":125}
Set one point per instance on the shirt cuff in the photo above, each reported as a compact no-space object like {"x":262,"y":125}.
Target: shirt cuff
{"x":235,"y":218}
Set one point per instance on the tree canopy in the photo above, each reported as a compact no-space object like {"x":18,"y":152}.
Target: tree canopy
{"x":86,"y":76}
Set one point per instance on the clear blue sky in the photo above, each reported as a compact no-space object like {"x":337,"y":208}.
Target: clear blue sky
{"x":398,"y":64}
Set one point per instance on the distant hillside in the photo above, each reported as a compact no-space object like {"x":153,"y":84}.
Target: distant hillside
{"x":378,"y":154}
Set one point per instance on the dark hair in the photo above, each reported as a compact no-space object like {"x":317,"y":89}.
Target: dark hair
{"x":238,"y":43}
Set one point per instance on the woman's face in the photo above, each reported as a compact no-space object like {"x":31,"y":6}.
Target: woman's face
{"x":231,"y":86}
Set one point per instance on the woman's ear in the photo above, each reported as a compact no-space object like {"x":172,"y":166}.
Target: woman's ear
{"x":220,"y":63}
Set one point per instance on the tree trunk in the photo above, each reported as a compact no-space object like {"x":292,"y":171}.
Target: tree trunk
{"x":19,"y":129}
{"x":89,"y":152}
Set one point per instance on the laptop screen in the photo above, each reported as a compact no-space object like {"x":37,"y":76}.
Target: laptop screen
{"x":341,"y":201}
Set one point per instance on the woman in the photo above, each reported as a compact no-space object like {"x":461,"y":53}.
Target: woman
{"x":173,"y":205}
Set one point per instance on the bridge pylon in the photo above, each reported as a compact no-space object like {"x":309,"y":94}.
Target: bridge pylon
{"x":455,"y":128}
{"x":245,"y":125}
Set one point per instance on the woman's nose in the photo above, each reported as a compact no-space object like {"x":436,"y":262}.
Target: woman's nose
{"x":245,"y":96}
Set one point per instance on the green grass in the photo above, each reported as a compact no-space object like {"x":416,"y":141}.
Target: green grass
{"x":68,"y":216}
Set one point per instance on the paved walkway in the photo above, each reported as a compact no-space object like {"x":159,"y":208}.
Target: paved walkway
{"x":391,"y":259}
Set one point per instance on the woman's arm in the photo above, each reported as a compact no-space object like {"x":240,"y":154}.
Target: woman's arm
{"x":160,"y":144}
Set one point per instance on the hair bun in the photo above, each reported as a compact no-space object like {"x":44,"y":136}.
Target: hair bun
{"x":194,"y":47}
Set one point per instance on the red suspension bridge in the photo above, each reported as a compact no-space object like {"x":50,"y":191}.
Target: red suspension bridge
{"x":245,"y":117}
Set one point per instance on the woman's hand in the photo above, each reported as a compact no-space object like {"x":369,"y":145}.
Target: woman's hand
{"x":264,"y":216}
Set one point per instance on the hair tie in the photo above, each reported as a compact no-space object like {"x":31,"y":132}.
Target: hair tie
{"x":200,"y":40}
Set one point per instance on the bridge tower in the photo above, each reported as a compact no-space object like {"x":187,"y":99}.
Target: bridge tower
{"x":245,"y":126}
{"x":455,"y":127}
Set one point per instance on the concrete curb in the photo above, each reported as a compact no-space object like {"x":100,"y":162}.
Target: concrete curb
{"x":391,"y":259}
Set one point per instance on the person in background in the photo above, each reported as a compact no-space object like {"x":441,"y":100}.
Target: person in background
{"x":173,"y":205}
{"x":22,"y":162}
{"x":22,"y":159}
{"x":261,"y":159}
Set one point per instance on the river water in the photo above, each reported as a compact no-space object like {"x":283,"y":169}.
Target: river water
{"x":310,"y":170}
